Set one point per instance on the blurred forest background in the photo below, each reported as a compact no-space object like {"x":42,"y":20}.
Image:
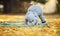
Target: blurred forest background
{"x":20,"y":6}
{"x":9,"y":9}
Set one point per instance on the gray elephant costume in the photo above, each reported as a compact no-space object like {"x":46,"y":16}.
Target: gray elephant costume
{"x":32,"y":15}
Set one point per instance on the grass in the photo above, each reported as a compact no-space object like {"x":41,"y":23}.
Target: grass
{"x":53,"y":21}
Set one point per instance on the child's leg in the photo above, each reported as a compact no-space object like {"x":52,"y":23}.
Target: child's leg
{"x":42,"y":18}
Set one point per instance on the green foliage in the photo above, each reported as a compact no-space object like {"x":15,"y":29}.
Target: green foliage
{"x":15,"y":10}
{"x":18,"y":10}
{"x":40,"y":1}
{"x":25,"y":0}
{"x":1,"y":1}
{"x":58,"y":8}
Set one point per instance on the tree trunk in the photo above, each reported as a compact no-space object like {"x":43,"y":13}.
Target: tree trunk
{"x":59,"y":1}
{"x":7,"y":6}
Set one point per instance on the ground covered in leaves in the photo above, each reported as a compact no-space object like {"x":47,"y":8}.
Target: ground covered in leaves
{"x":52,"y":20}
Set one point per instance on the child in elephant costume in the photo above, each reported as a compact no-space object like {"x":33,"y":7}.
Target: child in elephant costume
{"x":32,"y":15}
